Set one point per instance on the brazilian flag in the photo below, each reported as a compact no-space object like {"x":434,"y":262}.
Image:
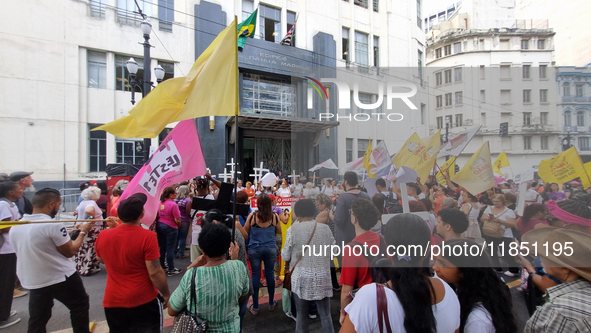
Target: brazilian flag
{"x":247,"y":29}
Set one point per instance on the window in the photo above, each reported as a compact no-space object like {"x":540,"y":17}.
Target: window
{"x":270,"y":23}
{"x":458,"y":97}
{"x":584,"y":144}
{"x":448,"y":99}
{"x":267,"y":95}
{"x":541,"y":44}
{"x":122,"y":75}
{"x":438,"y":53}
{"x":544,"y":118}
{"x":482,"y":96}
{"x":543,"y":95}
{"x":458,"y":74}
{"x":439,"y":122}
{"x":543,"y":71}
{"x":97,"y":8}
{"x":449,"y":121}
{"x":364,"y":99}
{"x":345,"y":43}
{"x":168,"y":70}
{"x":481,"y":44}
{"x":420,"y":65}
{"x":165,"y":14}
{"x":376,"y":6}
{"x":580,"y":118}
{"x":505,"y":96}
{"x":567,"y":118}
{"x":438,"y":79}
{"x":361,"y":48}
{"x":447,"y":49}
{"x":505,"y":44}
{"x":126,"y":11}
{"x":291,"y":17}
{"x":579,"y":90}
{"x":527,"y":143}
{"x":506,"y":117}
{"x":459,"y":120}
{"x":349,"y":150}
{"x":527,"y":118}
{"x":362,"y":145}
{"x":447,"y":76}
{"x":505,"y":72}
{"x":525,"y":44}
{"x":439,"y":101}
{"x":97,"y":152}
{"x":376,"y":51}
{"x":483,"y":119}
{"x":526,"y":96}
{"x":423,"y":106}
{"x":419,"y":19}
{"x":247,"y":8}
{"x":482,"y":74}
{"x":361,"y":3}
{"x":457,"y":48}
{"x":526,"y":70}
{"x":97,"y":69}
{"x":129,"y":151}
{"x":566,"y":89}
{"x":544,"y":143}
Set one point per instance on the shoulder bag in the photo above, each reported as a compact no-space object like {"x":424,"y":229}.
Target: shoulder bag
{"x":187,"y":322}
{"x":382,"y":308}
{"x":287,"y":277}
{"x":494,"y":229}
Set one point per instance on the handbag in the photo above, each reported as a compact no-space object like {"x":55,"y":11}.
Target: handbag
{"x":494,"y":229}
{"x":382,"y":308}
{"x":187,"y":322}
{"x":287,"y":276}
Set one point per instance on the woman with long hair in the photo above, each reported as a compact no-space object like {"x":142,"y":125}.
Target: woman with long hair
{"x":471,"y":207}
{"x":555,"y":194}
{"x":262,"y":225}
{"x":169,"y":220}
{"x":534,"y":217}
{"x":415,"y":302}
{"x":485,"y":301}
{"x":184,"y":202}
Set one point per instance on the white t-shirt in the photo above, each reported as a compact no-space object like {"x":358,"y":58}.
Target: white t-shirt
{"x":479,"y":321}
{"x":98,"y":214}
{"x":508,"y":213}
{"x":284,"y":192}
{"x":328,"y":190}
{"x":363,"y":311}
{"x":297,"y":190}
{"x":8,"y":210}
{"x":532,"y":194}
{"x":196,"y":223}
{"x":39,"y":263}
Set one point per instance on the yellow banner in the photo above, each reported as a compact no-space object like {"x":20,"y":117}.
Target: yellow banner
{"x":366,"y":160}
{"x":501,"y":162}
{"x":209,"y":89}
{"x":449,"y":165}
{"x":564,"y":167}
{"x":477,"y":175}
{"x":419,"y":155}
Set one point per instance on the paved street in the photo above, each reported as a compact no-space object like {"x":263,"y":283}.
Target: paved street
{"x":265,"y":322}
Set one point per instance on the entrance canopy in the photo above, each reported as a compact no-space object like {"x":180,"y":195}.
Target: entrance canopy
{"x":282,"y":124}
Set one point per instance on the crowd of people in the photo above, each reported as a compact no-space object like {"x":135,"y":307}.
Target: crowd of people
{"x":378,"y":292}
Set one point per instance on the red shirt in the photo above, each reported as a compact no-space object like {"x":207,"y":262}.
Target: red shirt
{"x":125,"y":251}
{"x":355,"y":270}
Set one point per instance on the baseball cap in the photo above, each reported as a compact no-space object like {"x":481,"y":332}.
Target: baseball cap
{"x":131,"y":208}
{"x":272,"y":197}
{"x":18,"y":175}
{"x":93,"y":182}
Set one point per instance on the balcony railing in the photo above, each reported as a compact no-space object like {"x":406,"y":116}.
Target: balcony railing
{"x":576,"y":99}
{"x":577,"y":129}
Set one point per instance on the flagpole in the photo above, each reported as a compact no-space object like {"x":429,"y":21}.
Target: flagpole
{"x":236,"y":113}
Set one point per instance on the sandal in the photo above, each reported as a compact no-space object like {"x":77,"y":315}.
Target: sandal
{"x":272,"y":307}
{"x":252,"y":310}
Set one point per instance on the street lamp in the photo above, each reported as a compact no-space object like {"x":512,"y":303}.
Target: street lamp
{"x":447,"y":120}
{"x":145,"y":84}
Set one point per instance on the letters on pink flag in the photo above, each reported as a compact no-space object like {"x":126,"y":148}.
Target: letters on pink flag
{"x":179,"y":158}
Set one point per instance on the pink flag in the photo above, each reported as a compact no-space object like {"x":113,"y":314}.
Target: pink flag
{"x":179,"y":158}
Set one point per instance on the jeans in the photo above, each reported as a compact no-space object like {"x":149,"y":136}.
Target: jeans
{"x":323,"y":311}
{"x":494,"y":257}
{"x":242,"y":311}
{"x":182,"y":238}
{"x":267,"y":255}
{"x":167,"y":237}
{"x":71,"y":293}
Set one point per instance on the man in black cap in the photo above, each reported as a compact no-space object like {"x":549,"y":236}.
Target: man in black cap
{"x":25,"y":181}
{"x":134,"y":274}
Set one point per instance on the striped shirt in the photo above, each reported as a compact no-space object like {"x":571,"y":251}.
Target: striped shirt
{"x":568,"y":309}
{"x":218,"y":289}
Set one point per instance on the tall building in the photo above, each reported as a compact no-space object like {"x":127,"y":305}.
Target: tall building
{"x":64,"y":66}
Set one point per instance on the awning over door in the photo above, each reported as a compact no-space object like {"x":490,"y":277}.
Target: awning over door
{"x":281,"y":124}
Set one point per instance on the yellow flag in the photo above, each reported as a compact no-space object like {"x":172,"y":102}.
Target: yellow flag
{"x":407,"y":155}
{"x":564,"y":167}
{"x":477,"y":175}
{"x":501,"y":162}
{"x":366,"y":159}
{"x":209,"y":89}
{"x":419,"y":155}
{"x":428,"y":157}
{"x":449,"y":165}
{"x":588,"y":170}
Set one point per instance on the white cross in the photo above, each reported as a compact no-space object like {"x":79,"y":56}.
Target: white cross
{"x":208,"y":170}
{"x":258,"y":173}
{"x":232,"y":164}
{"x":293,"y":176}
{"x":225,"y":175}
